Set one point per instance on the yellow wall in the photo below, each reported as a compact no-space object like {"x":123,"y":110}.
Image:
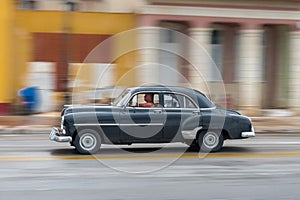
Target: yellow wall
{"x":126,"y":51}
{"x":126,"y":73}
{"x":6,"y":54}
{"x":17,"y":26}
{"x":77,"y":22}
{"x":28,"y":22}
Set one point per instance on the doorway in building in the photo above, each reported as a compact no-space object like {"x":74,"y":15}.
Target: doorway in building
{"x":172,"y":70}
{"x":224,"y":42}
{"x":276,"y":66}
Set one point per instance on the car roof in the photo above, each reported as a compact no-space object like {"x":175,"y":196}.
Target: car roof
{"x":164,"y":88}
{"x":196,"y":95}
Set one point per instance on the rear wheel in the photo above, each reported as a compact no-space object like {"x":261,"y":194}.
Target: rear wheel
{"x":210,"y":141}
{"x":87,"y":141}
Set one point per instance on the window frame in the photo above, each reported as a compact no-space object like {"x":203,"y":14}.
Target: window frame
{"x":144,"y":92}
{"x":185,"y":100}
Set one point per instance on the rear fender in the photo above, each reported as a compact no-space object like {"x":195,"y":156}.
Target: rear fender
{"x":192,"y":123}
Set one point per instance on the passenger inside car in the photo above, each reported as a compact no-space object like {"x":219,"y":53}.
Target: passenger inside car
{"x":148,"y":98}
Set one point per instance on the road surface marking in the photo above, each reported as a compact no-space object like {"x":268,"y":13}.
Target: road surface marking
{"x":134,"y":157}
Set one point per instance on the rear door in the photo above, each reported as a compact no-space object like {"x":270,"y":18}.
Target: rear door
{"x":178,"y":109}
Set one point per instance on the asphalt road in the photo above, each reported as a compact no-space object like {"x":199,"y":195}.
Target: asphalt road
{"x":265,"y":167}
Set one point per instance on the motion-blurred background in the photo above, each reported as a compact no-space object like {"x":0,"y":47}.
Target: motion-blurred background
{"x":51,"y":50}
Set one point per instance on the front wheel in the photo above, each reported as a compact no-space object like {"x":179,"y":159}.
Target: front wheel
{"x":87,"y":141}
{"x":210,"y":141}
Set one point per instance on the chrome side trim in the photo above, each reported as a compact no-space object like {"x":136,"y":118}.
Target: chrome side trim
{"x":56,"y":135}
{"x":95,"y":124}
{"x":212,"y":108}
{"x":190,"y":134}
{"x":152,"y":124}
{"x":104,"y":124}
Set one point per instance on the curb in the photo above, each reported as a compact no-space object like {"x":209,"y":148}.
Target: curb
{"x":41,"y":129}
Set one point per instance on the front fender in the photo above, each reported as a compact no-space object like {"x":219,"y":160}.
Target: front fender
{"x":68,"y":125}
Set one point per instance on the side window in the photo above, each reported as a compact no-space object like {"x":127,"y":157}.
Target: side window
{"x":133,"y":101}
{"x":156,"y":100}
{"x":144,"y":100}
{"x":171,"y":101}
{"x":189,"y":103}
{"x":177,"y":101}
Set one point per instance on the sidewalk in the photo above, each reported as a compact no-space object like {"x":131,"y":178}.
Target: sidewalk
{"x":37,"y":123}
{"x":43,"y":123}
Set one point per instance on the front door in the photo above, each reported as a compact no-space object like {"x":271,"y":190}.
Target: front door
{"x":140,"y":122}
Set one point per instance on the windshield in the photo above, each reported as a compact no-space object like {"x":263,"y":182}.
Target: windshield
{"x":119,"y":101}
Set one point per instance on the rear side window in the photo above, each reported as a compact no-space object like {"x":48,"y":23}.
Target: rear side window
{"x":177,"y":101}
{"x":189,"y":103}
{"x":171,"y":101}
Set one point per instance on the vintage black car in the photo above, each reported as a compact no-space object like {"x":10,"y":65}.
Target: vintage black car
{"x":173,"y":114}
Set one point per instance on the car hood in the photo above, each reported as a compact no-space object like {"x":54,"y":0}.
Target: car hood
{"x":77,"y":109}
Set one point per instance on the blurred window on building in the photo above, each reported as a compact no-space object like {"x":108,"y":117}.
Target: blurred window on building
{"x":116,"y":6}
{"x":167,"y":36}
{"x":60,"y":5}
{"x":71,"y":6}
{"x":264,"y":52}
{"x":27,"y":4}
{"x":217,"y":55}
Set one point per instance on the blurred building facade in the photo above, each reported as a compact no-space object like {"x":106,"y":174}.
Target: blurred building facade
{"x":45,"y":41}
{"x":253,"y":47}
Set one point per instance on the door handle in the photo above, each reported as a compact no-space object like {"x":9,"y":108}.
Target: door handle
{"x":196,"y":112}
{"x":157,"y":111}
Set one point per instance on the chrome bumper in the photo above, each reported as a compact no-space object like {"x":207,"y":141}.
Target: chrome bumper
{"x":248,"y":133}
{"x":57,"y":136}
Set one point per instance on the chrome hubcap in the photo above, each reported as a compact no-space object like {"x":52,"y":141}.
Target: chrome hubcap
{"x":88,"y":141}
{"x":211,"y":140}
